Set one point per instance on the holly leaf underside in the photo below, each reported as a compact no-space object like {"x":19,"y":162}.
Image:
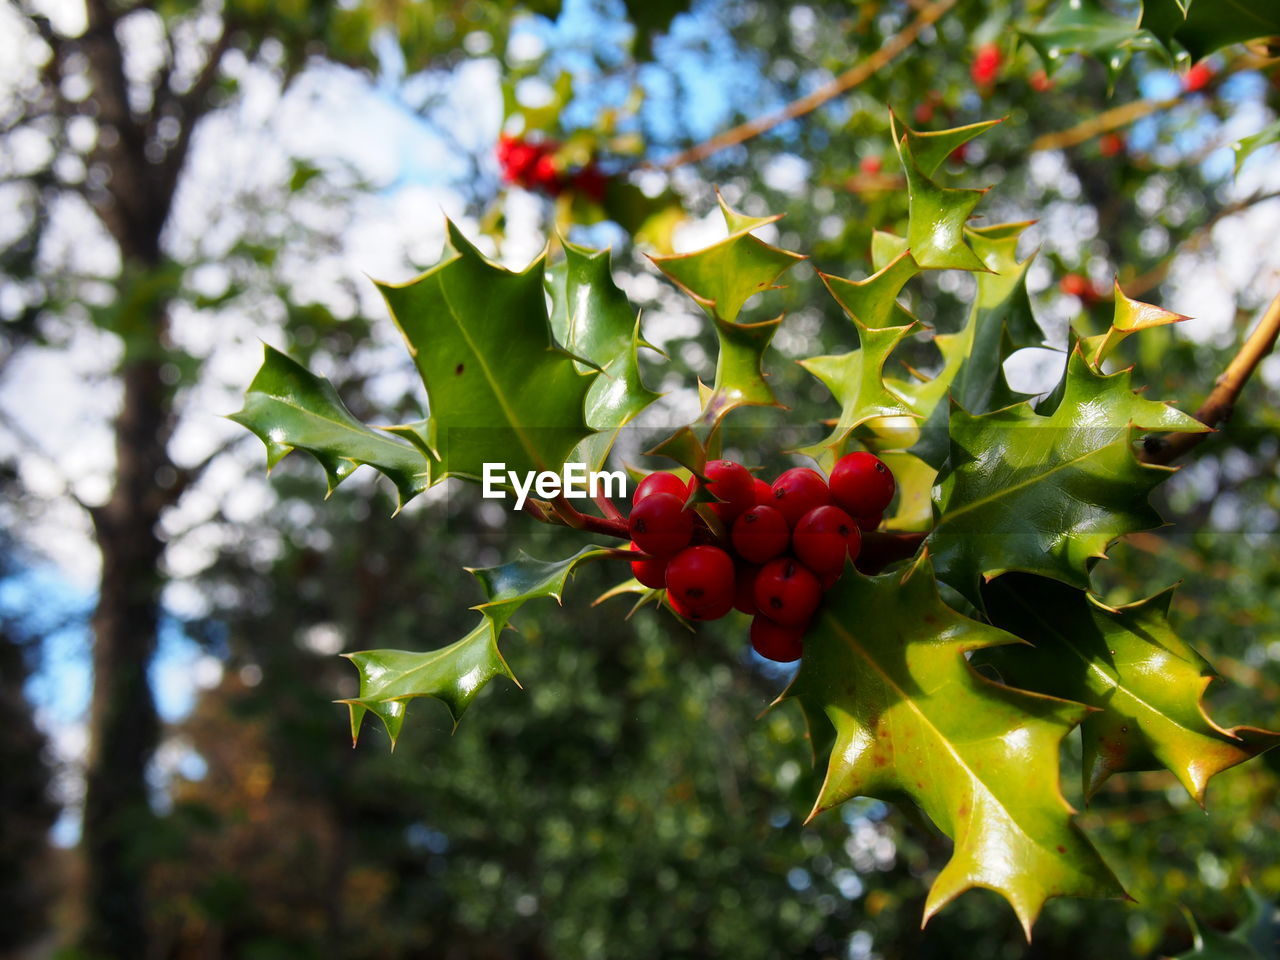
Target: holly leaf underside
{"x":289,"y":408}
{"x":885,"y":665}
{"x":1047,"y":494}
{"x":499,"y":388}
{"x":389,"y":679}
{"x":1146,"y":683}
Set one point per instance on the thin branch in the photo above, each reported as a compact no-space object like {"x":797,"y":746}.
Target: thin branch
{"x":1219,"y":406}
{"x":807,"y":104}
{"x":1155,"y":276}
{"x":1105,"y":122}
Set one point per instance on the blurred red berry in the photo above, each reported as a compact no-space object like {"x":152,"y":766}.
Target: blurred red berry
{"x":1109,"y":144}
{"x":1197,"y":78}
{"x":1074,"y":285}
{"x":986,"y":64}
{"x":871,"y":165}
{"x":1040,"y":82}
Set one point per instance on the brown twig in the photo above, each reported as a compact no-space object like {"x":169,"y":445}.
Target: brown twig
{"x":810,"y":102}
{"x":1219,"y":406}
{"x":1105,"y":122}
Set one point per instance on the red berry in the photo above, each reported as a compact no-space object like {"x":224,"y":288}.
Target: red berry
{"x":861,"y":484}
{"x":959,"y":154}
{"x":798,"y":491}
{"x":870,"y":522}
{"x":1040,"y":82}
{"x":764,"y":492}
{"x":1074,"y":285}
{"x":786,"y":592}
{"x":700,"y":579}
{"x":660,"y":525}
{"x":923,"y":112}
{"x":651,"y":572}
{"x":760,"y":534}
{"x":776,"y":642}
{"x":871,"y":165}
{"x":1197,"y":78}
{"x":744,"y":585}
{"x":661,"y":483}
{"x":1109,"y":144}
{"x":986,"y":64}
{"x":824,"y":537}
{"x":829,"y":579}
{"x":546,"y":176}
{"x":732,"y":484}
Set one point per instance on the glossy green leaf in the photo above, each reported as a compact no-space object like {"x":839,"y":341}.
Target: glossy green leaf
{"x":1048,"y":494}
{"x":885,"y":665}
{"x":1000,"y":322}
{"x":592,"y":318}
{"x":500,"y":389}
{"x":721,"y":278}
{"x":290,"y":408}
{"x":725,"y":275}
{"x":936,"y":216}
{"x":1203,"y":26}
{"x":856,"y":381}
{"x":873,"y":302}
{"x":1146,"y":683}
{"x":932,"y":147}
{"x":1088,"y":27}
{"x":1131,"y":316}
{"x":389,"y":679}
{"x":511,"y":585}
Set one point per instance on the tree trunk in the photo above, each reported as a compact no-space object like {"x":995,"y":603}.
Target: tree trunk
{"x":123,"y":725}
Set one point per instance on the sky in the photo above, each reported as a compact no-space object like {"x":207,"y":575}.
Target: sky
{"x":338,"y":120}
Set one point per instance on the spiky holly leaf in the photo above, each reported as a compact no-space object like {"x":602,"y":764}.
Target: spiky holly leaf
{"x":885,"y":665}
{"x":500,"y":388}
{"x":721,"y":278}
{"x":1131,"y":316}
{"x":592,"y":318}
{"x":1246,"y":146}
{"x":290,"y":408}
{"x":1088,"y":27}
{"x":1146,"y":683}
{"x":1203,"y":26}
{"x":873,"y":302}
{"x":511,"y":585}
{"x":1048,"y":494}
{"x":389,"y":679}
{"x":936,"y":215}
{"x":856,"y":381}
{"x":930,"y":148}
{"x":1000,"y":322}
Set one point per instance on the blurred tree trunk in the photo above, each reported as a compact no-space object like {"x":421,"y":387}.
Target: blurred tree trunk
{"x":124,"y":726}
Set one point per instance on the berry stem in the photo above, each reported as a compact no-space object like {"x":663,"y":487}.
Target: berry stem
{"x":568,"y":513}
{"x":607,"y":507}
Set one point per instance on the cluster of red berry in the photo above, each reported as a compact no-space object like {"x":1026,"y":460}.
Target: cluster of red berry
{"x":784,"y":543}
{"x":532,"y":166}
